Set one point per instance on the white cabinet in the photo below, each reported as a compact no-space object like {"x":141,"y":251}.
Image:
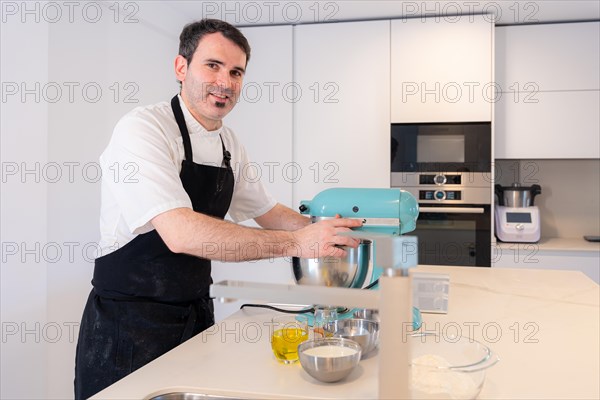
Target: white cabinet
{"x":263,"y":122}
{"x":442,"y":69}
{"x":263,"y":117}
{"x":341,"y":112}
{"x":550,"y":91}
{"x":541,"y":125}
{"x":550,"y":254}
{"x":549,"y":56}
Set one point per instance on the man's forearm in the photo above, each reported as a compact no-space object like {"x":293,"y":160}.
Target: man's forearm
{"x":186,"y":231}
{"x":282,"y":217}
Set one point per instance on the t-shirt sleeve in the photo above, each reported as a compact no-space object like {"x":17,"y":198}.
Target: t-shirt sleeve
{"x":139,"y":170}
{"x":250,"y":197}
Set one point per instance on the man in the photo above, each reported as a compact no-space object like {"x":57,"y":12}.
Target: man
{"x":151,"y":293}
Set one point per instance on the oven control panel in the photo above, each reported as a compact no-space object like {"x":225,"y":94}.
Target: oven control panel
{"x":451,"y":188}
{"x":440,"y":195}
{"x":440,"y":179}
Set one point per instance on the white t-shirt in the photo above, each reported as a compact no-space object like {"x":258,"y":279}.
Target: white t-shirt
{"x":141,"y":166}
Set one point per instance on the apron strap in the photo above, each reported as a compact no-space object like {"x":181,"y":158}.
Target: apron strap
{"x":185,"y":135}
{"x":226,"y":154}
{"x":227,"y":163}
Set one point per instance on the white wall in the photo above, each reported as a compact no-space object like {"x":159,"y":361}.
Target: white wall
{"x":50,"y":215}
{"x":24,"y":142}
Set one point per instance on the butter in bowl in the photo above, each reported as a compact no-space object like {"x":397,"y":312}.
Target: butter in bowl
{"x":330,"y":359}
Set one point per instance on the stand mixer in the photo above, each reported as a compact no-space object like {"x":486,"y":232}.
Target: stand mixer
{"x":385,"y":213}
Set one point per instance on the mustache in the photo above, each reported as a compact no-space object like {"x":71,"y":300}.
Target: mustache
{"x":220,"y":90}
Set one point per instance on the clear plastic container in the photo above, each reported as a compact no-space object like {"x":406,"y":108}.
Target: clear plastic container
{"x":448,"y":367}
{"x":323,"y":316}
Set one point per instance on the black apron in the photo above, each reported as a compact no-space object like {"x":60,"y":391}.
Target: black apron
{"x":146,"y":299}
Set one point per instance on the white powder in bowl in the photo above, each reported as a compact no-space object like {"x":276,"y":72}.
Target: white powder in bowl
{"x":426,"y":379}
{"x":330,"y":351}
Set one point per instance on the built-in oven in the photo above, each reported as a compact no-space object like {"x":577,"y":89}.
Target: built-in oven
{"x":447,"y":167}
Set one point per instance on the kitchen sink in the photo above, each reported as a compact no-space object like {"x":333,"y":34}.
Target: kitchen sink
{"x":191,"y":396}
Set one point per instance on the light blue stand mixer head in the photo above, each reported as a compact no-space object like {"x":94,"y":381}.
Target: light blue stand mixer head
{"x":395,"y":205}
{"x":386,"y":214}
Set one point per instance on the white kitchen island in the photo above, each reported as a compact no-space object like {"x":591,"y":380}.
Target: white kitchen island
{"x":543,"y":324}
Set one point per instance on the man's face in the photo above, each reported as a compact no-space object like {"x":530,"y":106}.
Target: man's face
{"x":211,"y":83}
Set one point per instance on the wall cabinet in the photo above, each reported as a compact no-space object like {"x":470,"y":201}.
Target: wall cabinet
{"x":550,"y":56}
{"x":341,"y":111}
{"x":542,"y":125}
{"x":549,"y":87}
{"x":263,"y":122}
{"x":441,"y":69}
{"x":263,"y":117}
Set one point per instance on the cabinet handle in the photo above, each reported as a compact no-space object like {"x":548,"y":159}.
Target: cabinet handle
{"x":452,"y":210}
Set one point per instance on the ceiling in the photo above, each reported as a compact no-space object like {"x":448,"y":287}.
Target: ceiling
{"x":269,"y":12}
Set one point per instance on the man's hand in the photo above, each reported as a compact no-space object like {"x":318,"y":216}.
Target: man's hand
{"x":322,"y":238}
{"x":186,"y":231}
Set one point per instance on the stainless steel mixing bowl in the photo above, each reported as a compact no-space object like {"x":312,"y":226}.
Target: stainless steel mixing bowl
{"x":365,"y":313}
{"x":362,"y":331}
{"x":347,"y":272}
{"x":335,"y":360}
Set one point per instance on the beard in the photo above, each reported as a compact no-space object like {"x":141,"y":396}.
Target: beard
{"x":206,"y":108}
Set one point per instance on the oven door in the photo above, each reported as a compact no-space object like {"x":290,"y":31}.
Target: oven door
{"x":436,"y":147}
{"x":454,"y":235}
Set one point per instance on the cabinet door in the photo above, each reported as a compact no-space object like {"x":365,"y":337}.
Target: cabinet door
{"x":442,"y":69}
{"x":534,"y":125}
{"x":529,"y":256}
{"x":341,"y":114}
{"x":548,"y":57}
{"x":548,"y":75}
{"x":263,"y":117}
{"x":263,"y":122}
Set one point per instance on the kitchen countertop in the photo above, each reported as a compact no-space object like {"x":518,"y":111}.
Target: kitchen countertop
{"x":543,"y":324}
{"x":558,"y":244}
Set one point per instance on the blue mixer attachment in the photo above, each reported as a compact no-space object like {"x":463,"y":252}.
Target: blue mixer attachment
{"x":417,"y":320}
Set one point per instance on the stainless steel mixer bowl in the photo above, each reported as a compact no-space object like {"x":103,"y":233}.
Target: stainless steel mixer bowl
{"x":365,"y":313}
{"x":363,"y":331}
{"x":517,"y":195}
{"x":347,"y":272}
{"x":517,"y":198}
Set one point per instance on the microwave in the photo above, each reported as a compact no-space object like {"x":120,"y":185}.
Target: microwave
{"x":441,"y":147}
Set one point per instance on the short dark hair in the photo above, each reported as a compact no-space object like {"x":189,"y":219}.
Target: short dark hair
{"x":192,"y":34}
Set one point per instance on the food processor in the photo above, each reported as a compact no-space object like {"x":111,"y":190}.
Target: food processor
{"x":384,"y":213}
{"x":517,"y":219}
